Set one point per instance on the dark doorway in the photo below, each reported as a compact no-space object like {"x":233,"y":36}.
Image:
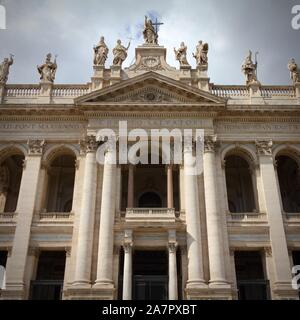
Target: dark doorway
{"x":150,"y":200}
{"x":50,"y":276}
{"x":150,"y":275}
{"x":250,"y":276}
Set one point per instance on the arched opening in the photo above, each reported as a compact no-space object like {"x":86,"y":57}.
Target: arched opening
{"x":11,"y":171}
{"x":150,"y":200}
{"x":61,"y":177}
{"x":289,"y":182}
{"x":239,"y":184}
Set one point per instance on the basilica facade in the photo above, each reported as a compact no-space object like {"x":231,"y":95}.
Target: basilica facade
{"x":74,"y":228}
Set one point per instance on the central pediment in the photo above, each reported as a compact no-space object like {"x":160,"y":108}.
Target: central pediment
{"x":150,"y":88}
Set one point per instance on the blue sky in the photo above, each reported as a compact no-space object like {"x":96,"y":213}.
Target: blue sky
{"x":70,"y":29}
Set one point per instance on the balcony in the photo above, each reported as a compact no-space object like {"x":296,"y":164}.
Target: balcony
{"x":8,"y":218}
{"x":151,"y":215}
{"x":249,"y":217}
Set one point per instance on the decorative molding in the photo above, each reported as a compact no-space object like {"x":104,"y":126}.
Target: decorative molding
{"x":264,"y":147}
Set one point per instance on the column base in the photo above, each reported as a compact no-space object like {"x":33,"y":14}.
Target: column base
{"x":284,"y":291}
{"x":14,"y":291}
{"x":73,"y":293}
{"x":219,"y":284}
{"x":220,"y":292}
{"x":84,"y":284}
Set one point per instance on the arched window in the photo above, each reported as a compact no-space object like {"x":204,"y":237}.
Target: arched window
{"x":61,"y":176}
{"x":150,"y":200}
{"x":239,"y":185}
{"x":10,"y":181}
{"x":289,"y":182}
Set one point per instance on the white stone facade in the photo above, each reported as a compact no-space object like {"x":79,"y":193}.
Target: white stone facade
{"x":256,"y":122}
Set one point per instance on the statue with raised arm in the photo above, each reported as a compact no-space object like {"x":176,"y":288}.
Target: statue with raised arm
{"x":180,"y":54}
{"x":101,"y":52}
{"x":294,"y":70}
{"x":4,"y":68}
{"x":201,"y":54}
{"x":48,"y":69}
{"x":120,"y":53}
{"x":250,"y":68}
{"x":150,"y":34}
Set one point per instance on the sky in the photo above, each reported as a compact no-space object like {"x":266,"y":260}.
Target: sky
{"x":70,"y":29}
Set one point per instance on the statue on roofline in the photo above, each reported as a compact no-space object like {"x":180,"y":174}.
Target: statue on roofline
{"x":4,"y":68}
{"x":180,"y":54}
{"x":48,"y":69}
{"x":250,"y":68}
{"x":150,"y":34}
{"x":100,"y":53}
{"x":120,"y":53}
{"x":294,"y":70}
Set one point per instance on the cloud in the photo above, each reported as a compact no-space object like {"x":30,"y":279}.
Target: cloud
{"x":70,"y":28}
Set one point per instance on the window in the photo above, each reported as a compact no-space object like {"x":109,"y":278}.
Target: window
{"x":289,"y":182}
{"x":239,"y":185}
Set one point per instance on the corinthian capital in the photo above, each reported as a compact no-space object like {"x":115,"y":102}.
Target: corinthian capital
{"x":89,"y":144}
{"x":264,"y":147}
{"x":210,"y":143}
{"x":36,"y":147}
{"x":172,"y":246}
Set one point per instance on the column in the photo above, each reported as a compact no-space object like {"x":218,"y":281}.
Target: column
{"x":170,"y":186}
{"x":214,"y":230}
{"x":127,"y":274}
{"x":194,"y":249}
{"x":282,"y":268}
{"x":106,"y":232}
{"x":130,"y":191}
{"x":87,"y":215}
{"x":16,"y":264}
{"x":173,"y":281}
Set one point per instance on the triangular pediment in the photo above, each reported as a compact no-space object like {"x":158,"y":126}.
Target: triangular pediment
{"x":150,"y":88}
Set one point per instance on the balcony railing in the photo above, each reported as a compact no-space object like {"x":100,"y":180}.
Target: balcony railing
{"x":251,"y":217}
{"x":150,"y":214}
{"x":8,"y":217}
{"x":56,"y":215}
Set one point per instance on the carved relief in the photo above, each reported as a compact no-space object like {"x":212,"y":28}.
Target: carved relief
{"x":151,"y":94}
{"x":150,"y":63}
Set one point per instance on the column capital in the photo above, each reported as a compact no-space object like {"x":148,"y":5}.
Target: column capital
{"x":33,"y":251}
{"x":68,"y":251}
{"x":264,"y":147}
{"x":88,"y":144}
{"x":268,"y":251}
{"x":210,"y":143}
{"x":127,"y":246}
{"x":172,"y":247}
{"x":36,"y":147}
